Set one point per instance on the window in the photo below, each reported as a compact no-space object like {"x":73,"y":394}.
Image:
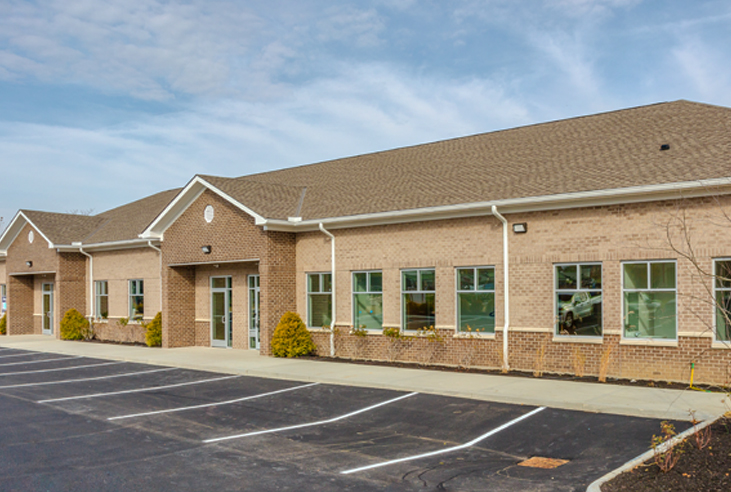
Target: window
{"x":319,"y":300}
{"x":417,"y":289}
{"x":3,"y":299}
{"x":476,"y":299}
{"x":368,"y":300}
{"x":722,"y":291}
{"x":136,"y":299}
{"x":579,"y":300}
{"x":102,"y":299}
{"x":649,"y":301}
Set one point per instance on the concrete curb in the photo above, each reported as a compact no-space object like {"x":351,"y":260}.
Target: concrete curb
{"x":596,"y":485}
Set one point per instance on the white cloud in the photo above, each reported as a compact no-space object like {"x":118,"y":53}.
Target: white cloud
{"x":363,"y":109}
{"x":706,"y":68}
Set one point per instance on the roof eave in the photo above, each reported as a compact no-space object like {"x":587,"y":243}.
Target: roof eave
{"x":635,"y":194}
{"x":108,"y":246}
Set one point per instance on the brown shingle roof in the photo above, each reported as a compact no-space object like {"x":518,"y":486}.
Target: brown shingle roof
{"x":63,"y":228}
{"x":119,"y":224}
{"x":618,"y":149}
{"x":128,"y":221}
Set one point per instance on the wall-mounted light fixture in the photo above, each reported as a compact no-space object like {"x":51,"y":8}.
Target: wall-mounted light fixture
{"x":29,"y":263}
{"x":206,"y":249}
{"x":520,"y":228}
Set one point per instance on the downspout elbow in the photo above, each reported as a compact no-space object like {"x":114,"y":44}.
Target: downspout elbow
{"x":332,"y":282}
{"x":506,"y":288}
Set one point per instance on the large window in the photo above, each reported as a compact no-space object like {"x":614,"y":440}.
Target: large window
{"x":649,"y":301}
{"x":3,"y":299}
{"x":417,"y":289}
{"x":101,"y":287}
{"x":136,"y":300}
{"x":476,"y":299}
{"x":368,"y":300}
{"x":579,"y":299}
{"x":722,"y":287}
{"x":319,"y":300}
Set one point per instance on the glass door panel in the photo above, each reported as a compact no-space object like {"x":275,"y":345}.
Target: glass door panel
{"x":47,"y":309}
{"x":254,"y":331}
{"x":221,"y":312}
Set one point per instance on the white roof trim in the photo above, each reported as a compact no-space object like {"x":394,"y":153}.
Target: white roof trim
{"x":16,"y":225}
{"x":610,"y":196}
{"x":111,"y":245}
{"x":183,"y":200}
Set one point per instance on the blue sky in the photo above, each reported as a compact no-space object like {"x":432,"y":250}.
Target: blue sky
{"x":102,"y":103}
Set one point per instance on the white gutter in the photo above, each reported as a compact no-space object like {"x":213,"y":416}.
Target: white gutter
{"x":92,"y":307}
{"x":149,"y":243}
{"x":332,"y":276}
{"x":609,"y":196}
{"x":506,"y":288}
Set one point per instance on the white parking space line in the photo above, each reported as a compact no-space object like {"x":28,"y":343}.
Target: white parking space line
{"x":447,"y":450}
{"x":88,"y":379}
{"x":19,"y":355}
{"x":40,"y":361}
{"x":139,"y":390}
{"x":60,"y":368}
{"x":205,"y":405}
{"x":311,"y":424}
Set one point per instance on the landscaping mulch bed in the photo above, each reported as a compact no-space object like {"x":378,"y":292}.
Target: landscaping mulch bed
{"x":522,"y":374}
{"x":704,"y":470}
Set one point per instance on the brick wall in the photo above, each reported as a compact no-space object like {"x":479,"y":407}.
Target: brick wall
{"x":178,"y":307}
{"x":70,"y":287}
{"x":20,"y":305}
{"x":233,"y":237}
{"x":609,"y":235}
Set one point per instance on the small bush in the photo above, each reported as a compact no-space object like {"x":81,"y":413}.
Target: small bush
{"x":4,"y":324}
{"x":153,"y":336}
{"x":74,"y":326}
{"x":291,"y":337}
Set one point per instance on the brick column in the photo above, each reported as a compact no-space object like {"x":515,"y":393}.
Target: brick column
{"x":20,"y":305}
{"x":70,"y":285}
{"x":277,"y":270}
{"x":178,"y":307}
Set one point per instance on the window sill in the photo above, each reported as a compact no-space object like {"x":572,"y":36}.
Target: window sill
{"x":477,"y":335}
{"x":649,"y":342}
{"x":722,"y":345}
{"x":577,"y":339}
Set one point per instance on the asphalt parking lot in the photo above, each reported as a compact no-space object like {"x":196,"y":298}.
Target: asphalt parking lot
{"x":79,"y":423}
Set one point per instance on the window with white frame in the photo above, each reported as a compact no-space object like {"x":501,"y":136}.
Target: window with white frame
{"x":722,"y":294}
{"x":368,"y":300}
{"x":3,"y":299}
{"x":649,"y":299}
{"x":136,"y":299}
{"x":579,"y":299}
{"x":319,"y":300}
{"x":476,"y":299}
{"x":418,"y":295}
{"x":101,"y":288}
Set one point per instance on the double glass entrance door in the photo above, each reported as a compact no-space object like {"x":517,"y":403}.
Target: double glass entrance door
{"x":221,"y":312}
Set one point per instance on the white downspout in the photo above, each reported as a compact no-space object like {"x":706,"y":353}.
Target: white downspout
{"x":92,"y":304}
{"x":506,"y":288}
{"x":332,"y":276}
{"x":149,"y":243}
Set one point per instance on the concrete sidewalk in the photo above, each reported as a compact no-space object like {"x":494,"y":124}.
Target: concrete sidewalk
{"x":591,"y":397}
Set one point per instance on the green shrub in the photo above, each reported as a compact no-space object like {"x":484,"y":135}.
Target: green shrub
{"x":291,"y":337}
{"x":153,"y":336}
{"x":74,"y":326}
{"x":4,"y":324}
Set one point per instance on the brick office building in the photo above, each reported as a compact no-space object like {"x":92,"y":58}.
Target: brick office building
{"x":574,"y":216}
